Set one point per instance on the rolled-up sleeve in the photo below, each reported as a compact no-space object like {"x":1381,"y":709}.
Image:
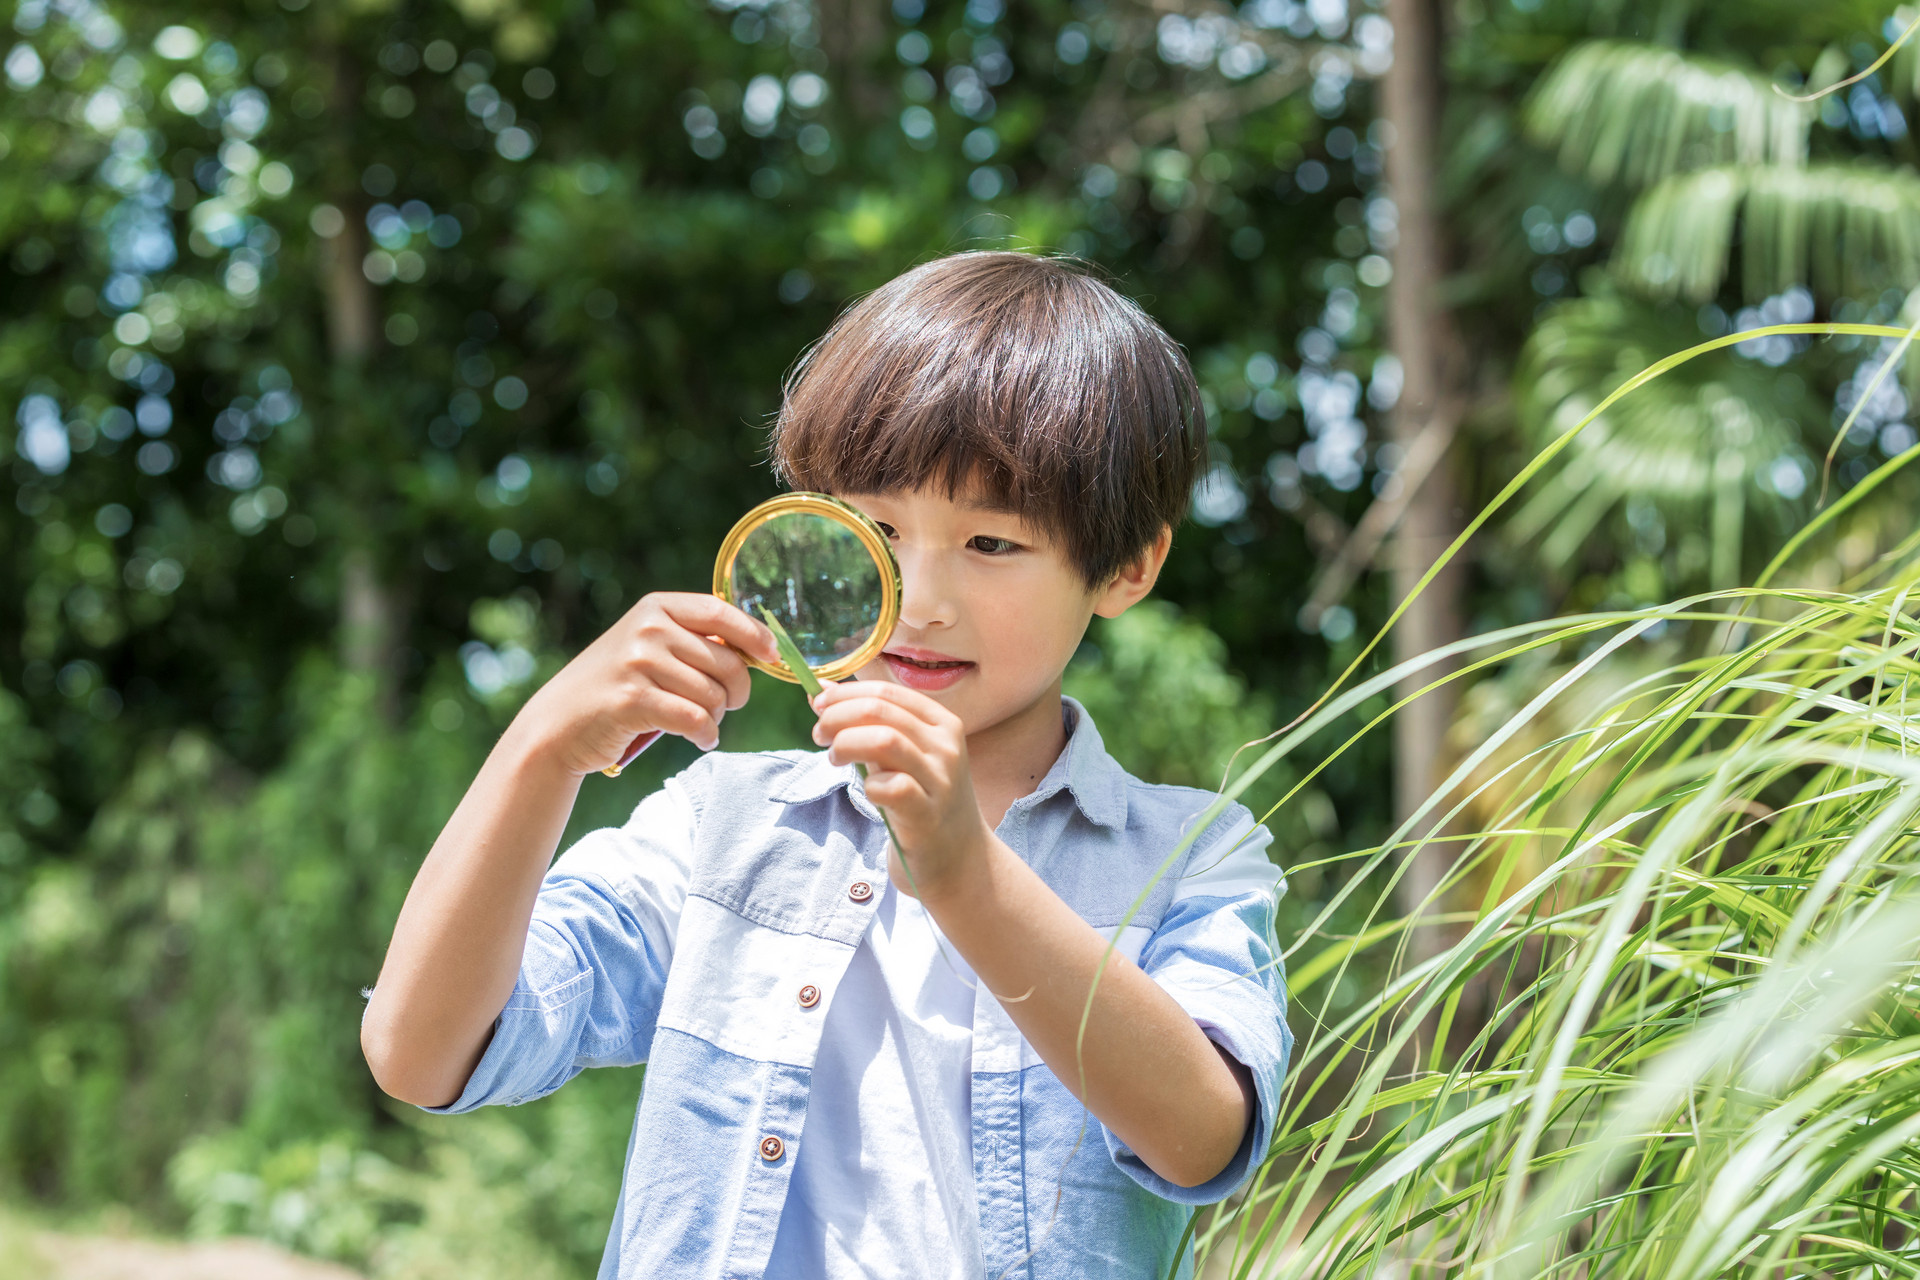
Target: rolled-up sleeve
{"x":1214,"y":952}
{"x":596,"y":958}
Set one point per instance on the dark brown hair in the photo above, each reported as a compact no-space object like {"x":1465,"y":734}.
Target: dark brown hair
{"x":1018,"y":377}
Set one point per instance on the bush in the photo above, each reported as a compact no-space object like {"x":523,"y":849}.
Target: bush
{"x":1170,"y":709}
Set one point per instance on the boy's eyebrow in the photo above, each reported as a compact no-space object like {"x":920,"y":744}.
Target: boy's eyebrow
{"x":994,"y":505}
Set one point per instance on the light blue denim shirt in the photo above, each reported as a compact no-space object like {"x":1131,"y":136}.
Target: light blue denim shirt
{"x":680,"y":939}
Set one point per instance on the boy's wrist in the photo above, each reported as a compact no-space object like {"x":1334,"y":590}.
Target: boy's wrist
{"x":530,"y":746}
{"x":967,"y":875}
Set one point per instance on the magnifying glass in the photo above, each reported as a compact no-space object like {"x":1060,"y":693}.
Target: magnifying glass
{"x":820,"y":567}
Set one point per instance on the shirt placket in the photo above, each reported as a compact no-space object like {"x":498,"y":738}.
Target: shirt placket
{"x":775,"y":1134}
{"x":999,"y":1168}
{"x":771,"y":1146}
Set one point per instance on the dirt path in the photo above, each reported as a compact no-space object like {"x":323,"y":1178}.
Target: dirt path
{"x":55,"y":1256}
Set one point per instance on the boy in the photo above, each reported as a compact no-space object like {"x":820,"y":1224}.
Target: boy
{"x":843,"y":1079}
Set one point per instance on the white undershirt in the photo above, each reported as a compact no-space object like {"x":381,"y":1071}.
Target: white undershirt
{"x":892,"y":1091}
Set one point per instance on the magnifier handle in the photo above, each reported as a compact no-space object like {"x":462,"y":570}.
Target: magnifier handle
{"x":632,"y":752}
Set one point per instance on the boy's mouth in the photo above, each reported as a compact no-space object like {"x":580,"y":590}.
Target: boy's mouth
{"x":925,"y":670}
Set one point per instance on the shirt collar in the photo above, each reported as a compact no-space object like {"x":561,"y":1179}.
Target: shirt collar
{"x":1084,"y":770}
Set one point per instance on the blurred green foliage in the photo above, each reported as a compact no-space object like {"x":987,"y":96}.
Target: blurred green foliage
{"x":365,"y":359}
{"x":185,"y":995}
{"x":1178,"y":710}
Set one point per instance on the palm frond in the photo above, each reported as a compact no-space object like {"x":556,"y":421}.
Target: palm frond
{"x":1841,"y":230}
{"x":1903,"y":69}
{"x":1637,"y":113}
{"x":1696,"y":442}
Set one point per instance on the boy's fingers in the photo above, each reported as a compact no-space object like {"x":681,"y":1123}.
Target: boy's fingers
{"x":874,"y":692}
{"x":843,"y":716}
{"x":712,"y":616}
{"x":718,"y":661}
{"x":912,"y":700}
{"x":679,"y":716}
{"x":670,"y":674}
{"x":890,"y":789}
{"x":881,"y":747}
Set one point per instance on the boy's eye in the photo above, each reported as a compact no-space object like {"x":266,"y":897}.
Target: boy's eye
{"x":992,"y":546}
{"x":886,"y":528}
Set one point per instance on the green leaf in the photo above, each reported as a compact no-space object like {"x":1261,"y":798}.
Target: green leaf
{"x":1848,"y":230}
{"x":1694,"y":442}
{"x":1637,"y":113}
{"x":796,"y":663}
{"x":790,"y":654}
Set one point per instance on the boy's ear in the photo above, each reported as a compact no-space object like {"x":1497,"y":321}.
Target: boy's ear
{"x":1135,"y":579}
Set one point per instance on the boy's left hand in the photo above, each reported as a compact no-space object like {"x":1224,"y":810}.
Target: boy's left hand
{"x":915,"y":751}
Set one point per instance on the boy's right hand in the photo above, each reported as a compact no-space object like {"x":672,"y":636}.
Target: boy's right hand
{"x":662,"y":666}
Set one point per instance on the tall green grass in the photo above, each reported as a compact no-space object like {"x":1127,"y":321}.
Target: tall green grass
{"x":1659,"y":1017}
{"x":1673,"y":1031}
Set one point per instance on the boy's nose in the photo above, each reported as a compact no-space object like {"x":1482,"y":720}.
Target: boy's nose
{"x":926,"y":592}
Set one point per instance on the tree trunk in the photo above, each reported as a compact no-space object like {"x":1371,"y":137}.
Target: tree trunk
{"x":1428,"y":348}
{"x":852,"y":32}
{"x":352,"y":309}
{"x":371,"y":625}
{"x":367,"y":640}
{"x":351,"y":306}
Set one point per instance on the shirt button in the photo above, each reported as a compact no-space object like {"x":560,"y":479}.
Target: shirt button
{"x":771,"y":1148}
{"x":809,"y":996}
{"x":859,"y":891}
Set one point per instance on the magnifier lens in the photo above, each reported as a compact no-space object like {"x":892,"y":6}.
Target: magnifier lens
{"x":826,"y":574}
{"x":816,"y":576}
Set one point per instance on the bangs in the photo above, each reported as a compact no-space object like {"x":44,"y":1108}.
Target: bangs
{"x":1017,"y":380}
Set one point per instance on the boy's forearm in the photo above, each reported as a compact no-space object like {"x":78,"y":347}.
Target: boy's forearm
{"x":1144,"y":1068}
{"x":458,"y":942}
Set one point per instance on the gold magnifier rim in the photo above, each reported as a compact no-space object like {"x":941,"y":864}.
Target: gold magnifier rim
{"x":863,"y":527}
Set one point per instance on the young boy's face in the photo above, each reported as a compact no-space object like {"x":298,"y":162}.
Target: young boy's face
{"x":991,"y":608}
